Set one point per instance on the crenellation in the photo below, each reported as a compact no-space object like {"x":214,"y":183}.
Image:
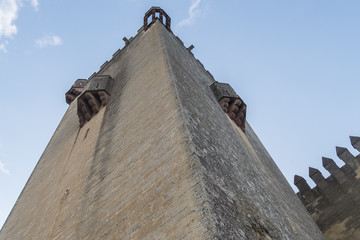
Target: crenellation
{"x":301,"y":184}
{"x":104,"y":65}
{"x":345,"y":155}
{"x":116,"y":53}
{"x":180,"y":41}
{"x":306,"y":194}
{"x":202,"y":65}
{"x":92,"y":75}
{"x":211,"y":76}
{"x":330,"y":165}
{"x":317,"y":176}
{"x":355,"y":142}
{"x":336,"y":199}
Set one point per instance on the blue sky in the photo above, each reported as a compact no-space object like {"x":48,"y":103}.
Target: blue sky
{"x":295,"y":64}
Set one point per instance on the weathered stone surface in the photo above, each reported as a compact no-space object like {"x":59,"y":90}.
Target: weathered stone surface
{"x":233,"y":165}
{"x":334,"y":202}
{"x":130,"y":171}
{"x":75,"y":90}
{"x":230,"y":103}
{"x":223,"y":90}
{"x":160,"y":161}
{"x":301,"y":183}
{"x":95,"y":95}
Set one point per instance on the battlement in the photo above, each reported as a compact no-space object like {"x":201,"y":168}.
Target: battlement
{"x":335,"y":199}
{"x":350,"y":171}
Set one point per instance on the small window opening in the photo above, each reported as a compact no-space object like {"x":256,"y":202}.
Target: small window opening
{"x":149,"y":20}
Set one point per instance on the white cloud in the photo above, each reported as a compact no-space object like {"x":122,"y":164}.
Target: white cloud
{"x":193,"y":12}
{"x":3,"y":169}
{"x":35,"y":4}
{"x":8,"y":14}
{"x":3,"y":47}
{"x":48,"y":41}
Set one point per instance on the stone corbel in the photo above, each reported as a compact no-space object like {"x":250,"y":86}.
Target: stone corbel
{"x":76,"y":89}
{"x":95,"y":95}
{"x":230,"y":103}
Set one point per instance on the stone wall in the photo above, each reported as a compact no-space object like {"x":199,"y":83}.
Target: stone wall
{"x":127,"y":173}
{"x":249,"y":198}
{"x":160,"y":161}
{"x":334,"y":203}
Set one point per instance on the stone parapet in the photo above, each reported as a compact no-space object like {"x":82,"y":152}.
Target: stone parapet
{"x":334,"y":202}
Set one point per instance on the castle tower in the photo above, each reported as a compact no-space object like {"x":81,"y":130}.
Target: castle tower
{"x":334,"y":203}
{"x":152,"y":147}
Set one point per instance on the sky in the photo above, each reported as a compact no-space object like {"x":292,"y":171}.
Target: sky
{"x":294,"y":63}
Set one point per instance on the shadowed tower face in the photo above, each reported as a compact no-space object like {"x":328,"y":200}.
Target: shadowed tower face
{"x":152,"y":147}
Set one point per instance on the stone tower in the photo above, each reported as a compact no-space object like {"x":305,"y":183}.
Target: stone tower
{"x":162,"y":151}
{"x":334,"y":203}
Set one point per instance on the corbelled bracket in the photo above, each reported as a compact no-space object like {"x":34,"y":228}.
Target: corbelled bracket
{"x":75,"y":90}
{"x":157,"y":13}
{"x":96,"y":94}
{"x":230,"y":103}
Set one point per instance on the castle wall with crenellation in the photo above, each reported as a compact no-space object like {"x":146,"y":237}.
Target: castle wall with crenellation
{"x":334,"y":203}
